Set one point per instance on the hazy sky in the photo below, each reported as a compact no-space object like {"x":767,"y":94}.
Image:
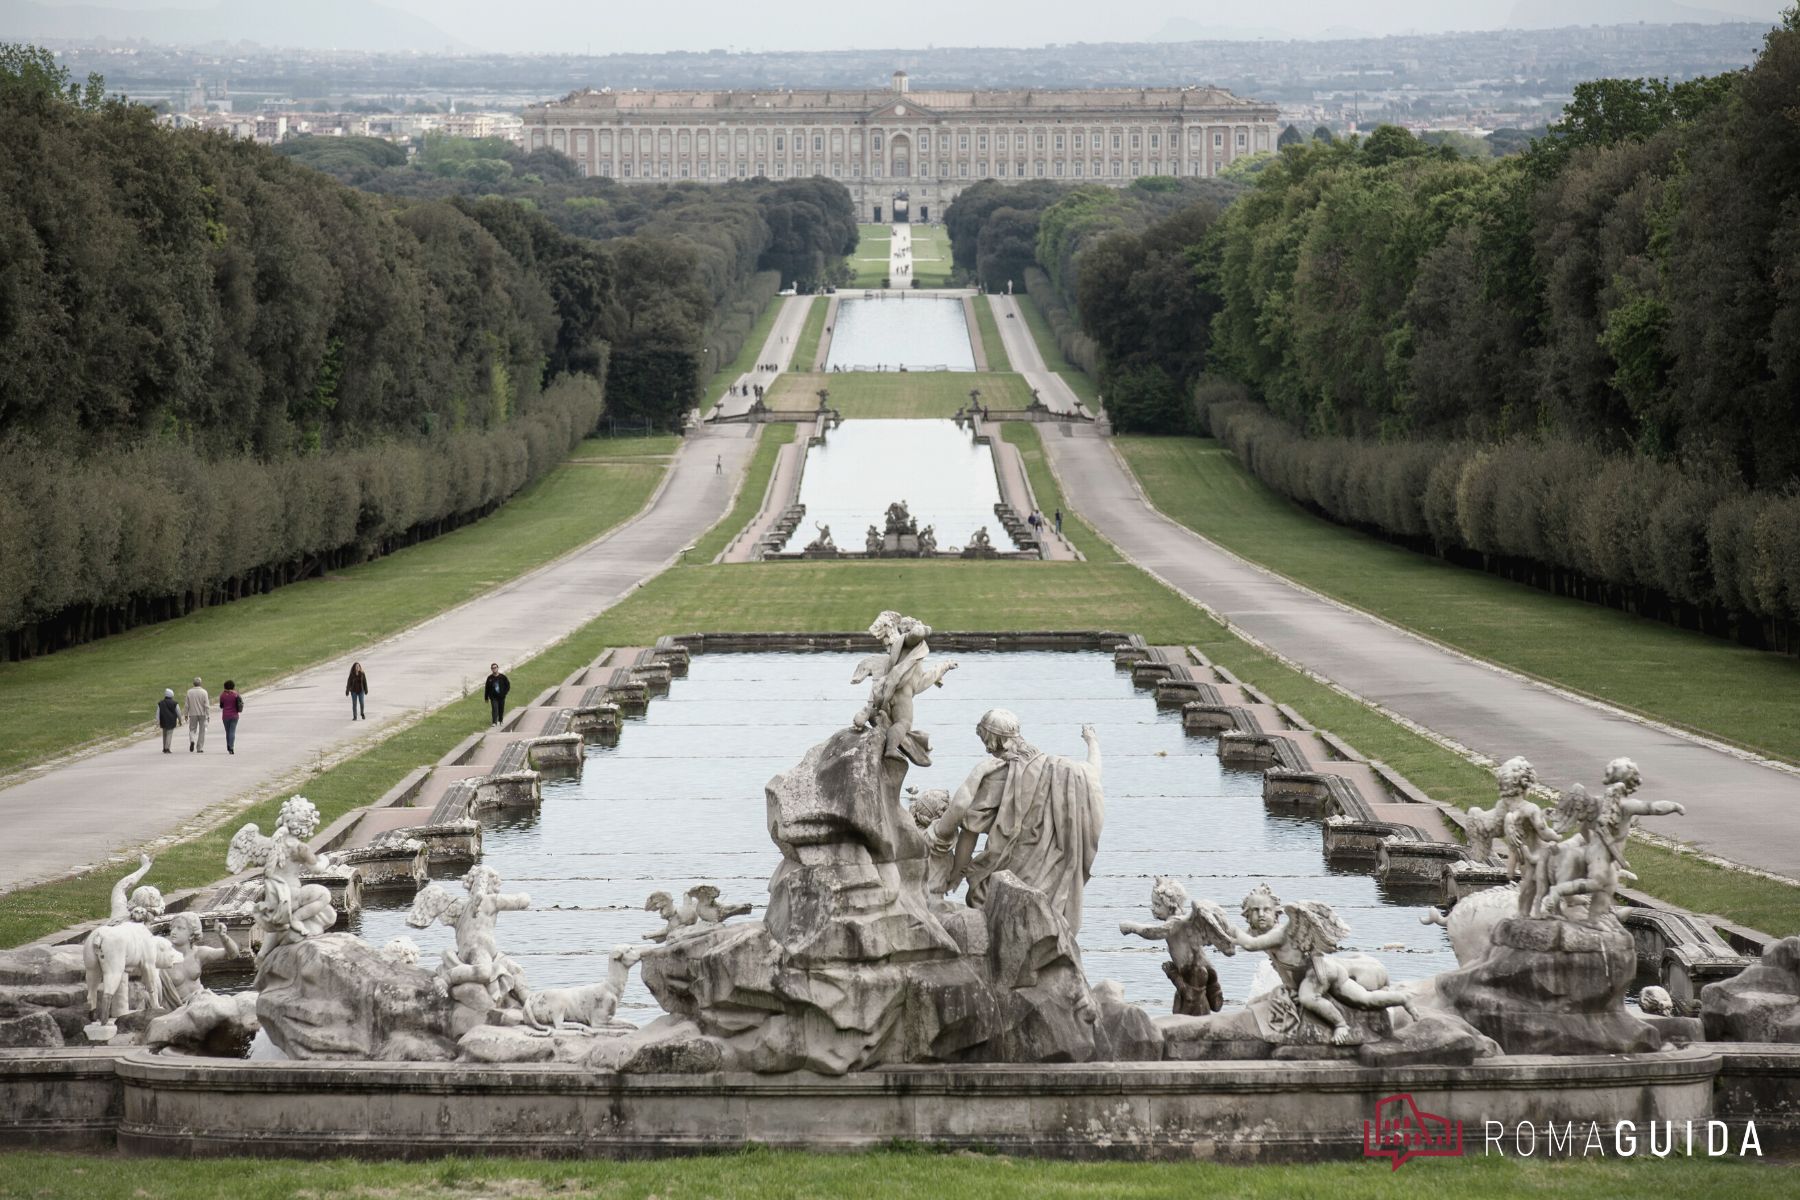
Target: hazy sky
{"x":835,"y":24}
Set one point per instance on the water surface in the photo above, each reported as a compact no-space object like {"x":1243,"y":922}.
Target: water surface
{"x":943,"y":474}
{"x":679,"y":801}
{"x":920,"y":333}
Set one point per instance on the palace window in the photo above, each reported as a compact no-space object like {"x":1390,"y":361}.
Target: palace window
{"x":762,"y":169}
{"x":981,"y":142}
{"x":1040,"y":168}
{"x":628,"y":170}
{"x":684,"y":170}
{"x":762,"y":142}
{"x":875,"y":140}
{"x":582,"y":168}
{"x":743,"y":169}
{"x":1059,"y":141}
{"x":1155,"y":140}
{"x":780,"y":143}
{"x":1134,"y":168}
{"x":1078,"y":168}
{"x":1001,"y":168}
{"x":606,"y":170}
{"x":1115,"y":141}
{"x":1040,"y":142}
{"x":837,"y":170}
{"x":1118,"y":167}
{"x":1156,"y":166}
{"x":962,"y":141}
{"x":1240,"y":145}
{"x":1218,"y":141}
{"x":818,"y":144}
{"x":1137,"y":141}
{"x":665,"y":170}
{"x":875,"y":169}
{"x":962,"y":169}
{"x":984,"y":168}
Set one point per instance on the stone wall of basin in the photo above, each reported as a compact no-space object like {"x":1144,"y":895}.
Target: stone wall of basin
{"x":1238,"y":1112}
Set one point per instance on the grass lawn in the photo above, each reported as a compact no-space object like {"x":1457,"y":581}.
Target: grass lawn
{"x":991,"y":345}
{"x":750,"y":497}
{"x":1081,"y":383}
{"x":108,"y":688}
{"x":899,"y":393}
{"x":869,"y":265}
{"x":931,"y":255}
{"x":806,"y":350}
{"x":894,"y":1173}
{"x":1748,"y":697}
{"x":747,"y":356}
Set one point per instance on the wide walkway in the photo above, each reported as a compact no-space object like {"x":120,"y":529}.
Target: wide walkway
{"x":84,"y":811}
{"x":1738,"y":808}
{"x":1022,"y":350}
{"x":777,"y":354}
{"x":900,"y":256}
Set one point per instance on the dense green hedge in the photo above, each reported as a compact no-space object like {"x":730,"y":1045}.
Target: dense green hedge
{"x":1620,"y":529}
{"x":100,"y":543}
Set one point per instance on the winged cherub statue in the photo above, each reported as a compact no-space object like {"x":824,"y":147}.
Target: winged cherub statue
{"x":900,"y":674}
{"x":477,"y":959}
{"x":288,"y":909}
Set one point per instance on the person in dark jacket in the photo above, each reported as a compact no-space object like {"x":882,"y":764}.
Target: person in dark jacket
{"x":231,"y":707}
{"x":357,"y":689}
{"x":168,"y":717}
{"x":495,"y":691}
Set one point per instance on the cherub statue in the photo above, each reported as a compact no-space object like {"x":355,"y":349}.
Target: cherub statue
{"x":927,"y":540}
{"x":705,"y":900}
{"x":1516,"y":778}
{"x":1300,"y":949}
{"x":900,"y":674}
{"x":925,"y":808}
{"x":1623,"y":779}
{"x":592,"y":1005}
{"x":873,"y":542}
{"x":1189,"y":929}
{"x":981,"y":541}
{"x":674,"y":919}
{"x":1589,"y":862}
{"x":823,"y":543}
{"x":1530,"y":838}
{"x":477,"y":959}
{"x":288,"y":909}
{"x":183,"y":979}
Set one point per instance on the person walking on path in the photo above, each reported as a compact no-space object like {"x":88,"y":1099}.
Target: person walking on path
{"x":231,"y":707}
{"x":719,"y":465}
{"x":1059,"y":520}
{"x":357,"y":689}
{"x":497,"y":687}
{"x":168,"y":717}
{"x":197,"y":706}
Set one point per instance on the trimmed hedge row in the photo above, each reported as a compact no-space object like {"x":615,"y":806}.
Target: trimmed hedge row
{"x":1077,"y":347}
{"x":100,"y":544}
{"x":1619,"y":529}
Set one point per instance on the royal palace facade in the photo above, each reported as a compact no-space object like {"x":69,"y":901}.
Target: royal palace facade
{"x":903,"y":154}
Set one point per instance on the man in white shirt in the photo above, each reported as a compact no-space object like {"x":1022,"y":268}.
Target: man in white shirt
{"x":197,"y":706}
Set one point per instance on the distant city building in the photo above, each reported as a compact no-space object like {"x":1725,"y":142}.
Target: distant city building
{"x":903,"y":153}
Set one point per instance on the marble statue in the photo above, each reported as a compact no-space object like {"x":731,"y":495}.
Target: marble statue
{"x":872,"y":542}
{"x":1530,"y":838}
{"x":593,"y":1005}
{"x":1486,"y":825}
{"x":1591,"y":861}
{"x":980,"y":540}
{"x":1189,"y":930}
{"x":823,"y":543}
{"x":927,"y":540}
{"x":401,"y":950}
{"x":900,"y":674}
{"x":1622,"y":780}
{"x":900,"y":520}
{"x":183,"y":979}
{"x":708,"y":909}
{"x":1040,"y":814}
{"x":288,"y":909}
{"x":699,"y":908}
{"x":674,"y":919}
{"x":1301,"y":949}
{"x":477,"y":976}
{"x":112,"y":955}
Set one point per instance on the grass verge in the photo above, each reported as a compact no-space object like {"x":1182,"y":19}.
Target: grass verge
{"x":750,"y":497}
{"x":869,"y":265}
{"x":1748,"y":697}
{"x":109,"y":688}
{"x":899,"y":393}
{"x":806,"y":350}
{"x":991,"y":345}
{"x":931,"y":255}
{"x":1081,"y":535}
{"x":1079,"y":381}
{"x":900,"y":1174}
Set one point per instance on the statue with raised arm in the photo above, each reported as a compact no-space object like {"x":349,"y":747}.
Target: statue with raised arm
{"x":288,"y":909}
{"x":1591,"y":861}
{"x":183,"y":979}
{"x":1301,"y":951}
{"x":900,"y":673}
{"x":873,"y":542}
{"x":1040,"y":815}
{"x":475,"y":973}
{"x":1189,"y":929}
{"x":1622,"y":780}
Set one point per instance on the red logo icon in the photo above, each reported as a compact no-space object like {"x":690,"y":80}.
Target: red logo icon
{"x":1400,"y":1131}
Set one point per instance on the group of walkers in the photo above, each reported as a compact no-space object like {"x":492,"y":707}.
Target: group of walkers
{"x":1038,"y":524}
{"x":196,"y":707}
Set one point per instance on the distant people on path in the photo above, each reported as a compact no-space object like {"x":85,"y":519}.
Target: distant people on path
{"x":1059,"y":520}
{"x":231,"y":707}
{"x":357,"y":688}
{"x":719,"y":465}
{"x":168,"y":717}
{"x":198,"y":708}
{"x":497,"y":687}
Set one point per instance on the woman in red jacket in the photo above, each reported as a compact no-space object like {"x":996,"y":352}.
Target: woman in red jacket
{"x":231,"y":707}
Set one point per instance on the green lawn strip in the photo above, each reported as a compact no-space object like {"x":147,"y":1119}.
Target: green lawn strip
{"x":991,"y":345}
{"x":901,"y":1174}
{"x":109,"y":688}
{"x":932,"y":263}
{"x":874,"y":247}
{"x":806,"y":350}
{"x":1748,"y":697}
{"x":748,"y":355}
{"x":899,"y":393}
{"x":1024,"y":435}
{"x":750,"y":497}
{"x":1079,"y":381}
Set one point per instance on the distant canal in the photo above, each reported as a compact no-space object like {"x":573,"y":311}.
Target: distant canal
{"x":898,"y":329}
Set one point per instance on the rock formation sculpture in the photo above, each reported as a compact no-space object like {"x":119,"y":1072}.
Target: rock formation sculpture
{"x":288,"y":909}
{"x":1188,"y":930}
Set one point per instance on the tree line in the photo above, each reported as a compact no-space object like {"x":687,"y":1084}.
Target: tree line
{"x":1578,"y":365}
{"x":221,"y":370}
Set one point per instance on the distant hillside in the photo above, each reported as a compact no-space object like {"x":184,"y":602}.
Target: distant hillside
{"x":318,"y":25}
{"x":1559,"y":14}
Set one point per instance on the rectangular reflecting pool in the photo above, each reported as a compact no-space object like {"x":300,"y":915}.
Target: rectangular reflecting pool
{"x":679,"y":801}
{"x":898,"y":330}
{"x":943,"y":474}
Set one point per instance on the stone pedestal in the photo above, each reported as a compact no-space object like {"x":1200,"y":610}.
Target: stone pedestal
{"x":1549,"y":986}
